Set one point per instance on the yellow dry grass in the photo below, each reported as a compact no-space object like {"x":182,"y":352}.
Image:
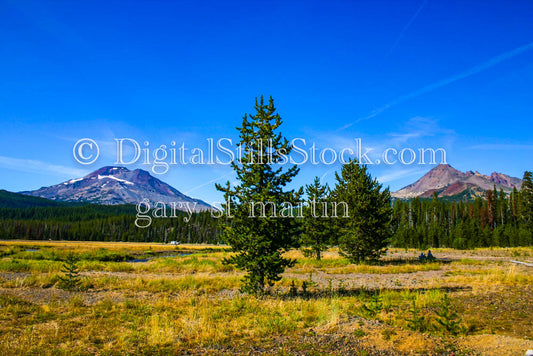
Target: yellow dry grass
{"x":114,"y":246}
{"x":185,"y":303}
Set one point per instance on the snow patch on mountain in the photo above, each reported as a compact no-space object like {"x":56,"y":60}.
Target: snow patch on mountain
{"x":115,"y":178}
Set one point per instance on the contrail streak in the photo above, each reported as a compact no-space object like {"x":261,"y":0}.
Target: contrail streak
{"x":441,"y":83}
{"x":402,"y":32}
{"x":206,"y":183}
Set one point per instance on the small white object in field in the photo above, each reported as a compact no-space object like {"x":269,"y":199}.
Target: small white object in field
{"x":529,"y":353}
{"x":523,"y":263}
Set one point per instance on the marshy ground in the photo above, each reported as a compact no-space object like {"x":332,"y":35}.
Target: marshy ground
{"x":183,"y":300}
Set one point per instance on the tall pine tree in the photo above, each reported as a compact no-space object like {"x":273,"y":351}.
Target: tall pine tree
{"x":317,"y":224}
{"x":365,"y":234}
{"x":260,"y":226}
{"x":526,"y":210}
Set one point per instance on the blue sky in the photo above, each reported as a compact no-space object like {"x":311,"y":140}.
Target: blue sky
{"x":400,"y":74}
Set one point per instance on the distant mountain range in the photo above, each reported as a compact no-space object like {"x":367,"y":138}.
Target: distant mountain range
{"x":448,"y":182}
{"x":118,"y":185}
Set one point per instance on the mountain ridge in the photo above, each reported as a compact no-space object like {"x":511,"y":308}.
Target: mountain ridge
{"x":112,"y":185}
{"x":447,"y":181}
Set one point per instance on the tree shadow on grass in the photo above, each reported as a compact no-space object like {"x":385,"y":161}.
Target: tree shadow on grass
{"x":407,"y":261}
{"x":315,"y":293}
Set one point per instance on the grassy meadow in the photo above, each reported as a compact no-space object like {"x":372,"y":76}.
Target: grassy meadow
{"x":143,"y":298}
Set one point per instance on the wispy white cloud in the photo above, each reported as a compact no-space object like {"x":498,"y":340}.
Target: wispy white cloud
{"x":36,"y":166}
{"x":323,"y":177}
{"x":441,"y":83}
{"x":393,"y":176}
{"x":419,"y":127}
{"x":208,"y":182}
{"x":324,"y":140}
{"x":507,"y":147}
{"x":107,"y":147}
{"x":417,"y":132}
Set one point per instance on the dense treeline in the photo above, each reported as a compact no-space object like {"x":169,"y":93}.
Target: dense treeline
{"x":500,"y":219}
{"x":66,"y":213}
{"x":103,"y":223}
